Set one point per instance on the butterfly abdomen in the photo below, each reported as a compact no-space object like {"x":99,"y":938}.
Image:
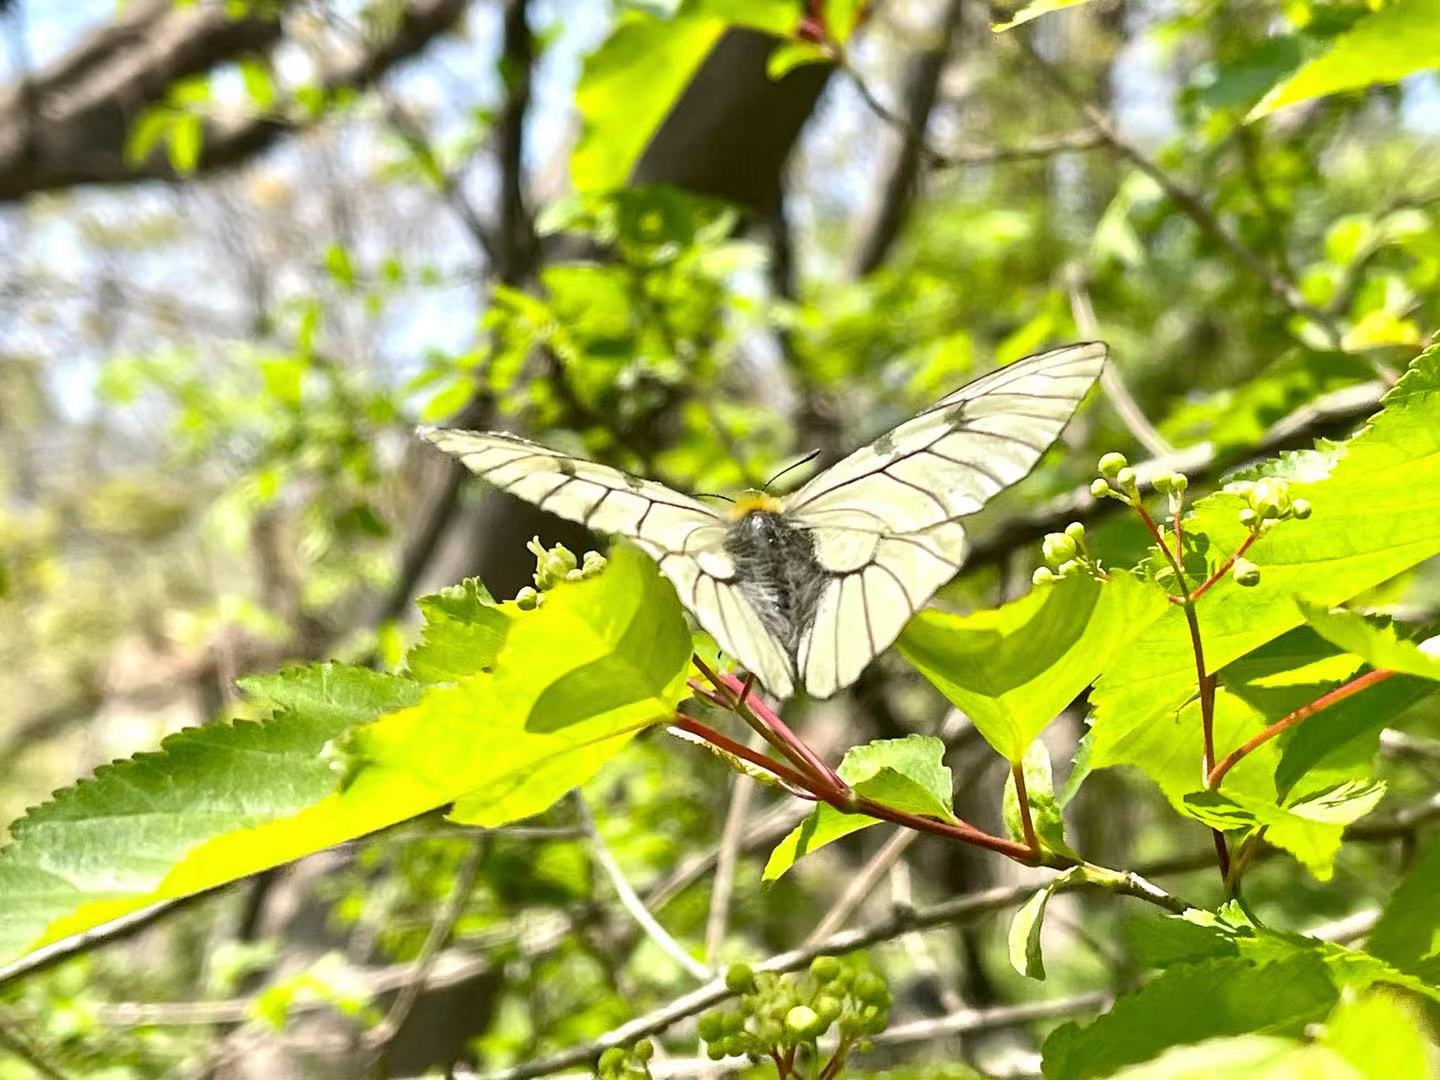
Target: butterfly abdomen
{"x":777,"y":571}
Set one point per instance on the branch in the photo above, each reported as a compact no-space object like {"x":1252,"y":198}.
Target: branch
{"x":897,"y":189}
{"x":89,"y":100}
{"x":1187,"y":201}
{"x":378,"y":1037}
{"x":630,"y":900}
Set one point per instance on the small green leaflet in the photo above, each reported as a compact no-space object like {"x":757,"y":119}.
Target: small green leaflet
{"x":464,"y":629}
{"x":1310,"y":828}
{"x":1379,"y":646}
{"x":904,"y":773}
{"x":1397,"y":40}
{"x":1013,"y":670}
{"x":1026,"y":956}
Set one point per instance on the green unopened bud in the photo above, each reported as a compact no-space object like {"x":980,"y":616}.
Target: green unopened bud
{"x":734,"y":1022}
{"x":871,"y":988}
{"x":804,"y":1022}
{"x":1112,"y":463}
{"x":864,"y":1046}
{"x":1058,"y":548}
{"x":1043,"y":575}
{"x":527,"y":599}
{"x":1100,"y":488}
{"x":770,"y":1033}
{"x":1179,"y":482}
{"x":740,"y":978}
{"x":1300,"y":508}
{"x":612,"y":1060}
{"x":1249,"y":518}
{"x":1075,"y":531}
{"x":1161,"y":483}
{"x":712,"y":1026}
{"x":1126,"y":479}
{"x":1270,"y":498}
{"x":715,"y":1051}
{"x":828,"y":1007}
{"x":644,"y":1050}
{"x":825,"y":968}
{"x":1245,"y":573}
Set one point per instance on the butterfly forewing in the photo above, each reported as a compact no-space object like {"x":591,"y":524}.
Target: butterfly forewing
{"x":811,"y":594}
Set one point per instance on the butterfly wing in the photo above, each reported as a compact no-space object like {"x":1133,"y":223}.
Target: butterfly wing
{"x":683,"y":535}
{"x":885,"y":521}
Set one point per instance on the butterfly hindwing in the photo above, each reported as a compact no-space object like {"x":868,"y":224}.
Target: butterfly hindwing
{"x":885,"y":520}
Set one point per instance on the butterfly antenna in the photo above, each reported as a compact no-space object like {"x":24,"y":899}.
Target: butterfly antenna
{"x":713,"y":495}
{"x":811,"y":456}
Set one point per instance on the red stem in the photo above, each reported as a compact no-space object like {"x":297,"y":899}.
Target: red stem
{"x":1224,"y":568}
{"x":1205,"y":683}
{"x":767,"y":716}
{"x":740,"y":750}
{"x":802,"y":757}
{"x":1017,"y":770}
{"x":1340,"y":693}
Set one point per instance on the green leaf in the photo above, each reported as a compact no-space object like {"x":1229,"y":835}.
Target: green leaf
{"x":464,"y":630}
{"x":184,"y":141}
{"x":1379,"y":1037}
{"x":1243,"y":1057}
{"x":1012,"y":670}
{"x":111,"y":844}
{"x":1408,"y":932}
{"x":1375,"y":514}
{"x":794,"y":54}
{"x":259,"y":85}
{"x":1026,"y":956}
{"x":1044,"y":810}
{"x":1379,"y":646}
{"x":573,"y":682}
{"x":1399,"y":39}
{"x":633,"y":80}
{"x":1309,"y":828}
{"x":1187,"y":1005}
{"x":1034,"y":10}
{"x":907,"y":774}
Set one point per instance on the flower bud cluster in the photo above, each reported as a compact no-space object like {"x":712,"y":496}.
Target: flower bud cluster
{"x":626,"y":1063}
{"x":1267,"y":501}
{"x":554,"y":565}
{"x":1065,"y":553}
{"x":778,"y":1012}
{"x":1116,"y":480}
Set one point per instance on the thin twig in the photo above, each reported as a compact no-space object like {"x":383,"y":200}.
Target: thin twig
{"x":1339,"y":694}
{"x":631,"y":901}
{"x":1224,"y":568}
{"x":1126,"y":407}
{"x":378,"y":1037}
{"x":731,"y":834}
{"x":862,"y":885}
{"x":13,"y":1042}
{"x":1187,"y":201}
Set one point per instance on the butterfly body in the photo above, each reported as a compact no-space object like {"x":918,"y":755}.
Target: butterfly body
{"x":806,"y":589}
{"x":775,"y":566}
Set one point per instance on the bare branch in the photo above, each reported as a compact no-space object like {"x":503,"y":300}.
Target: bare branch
{"x":440,"y":930}
{"x":1186,"y":200}
{"x":862,"y":885}
{"x":631,"y":901}
{"x":732,"y":837}
{"x":89,"y":100}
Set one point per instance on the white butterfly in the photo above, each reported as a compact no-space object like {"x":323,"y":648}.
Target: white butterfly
{"x":810,"y":587}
